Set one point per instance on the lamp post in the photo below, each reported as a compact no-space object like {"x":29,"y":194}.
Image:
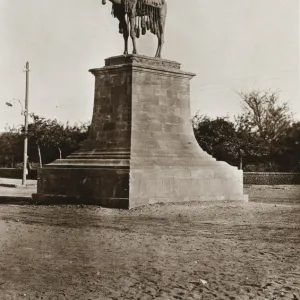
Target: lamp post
{"x":25,"y":112}
{"x":26,"y":125}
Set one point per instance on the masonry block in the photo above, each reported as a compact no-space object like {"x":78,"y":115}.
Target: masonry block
{"x":141,"y":147}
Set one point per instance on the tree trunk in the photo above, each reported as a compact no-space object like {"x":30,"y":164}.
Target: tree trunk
{"x":241,"y":162}
{"x":59,"y":152}
{"x":40,"y":156}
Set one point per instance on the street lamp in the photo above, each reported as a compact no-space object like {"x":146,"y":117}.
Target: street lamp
{"x":25,"y":112}
{"x":14,"y":100}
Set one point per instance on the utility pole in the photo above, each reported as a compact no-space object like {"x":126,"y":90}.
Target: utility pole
{"x":26,"y":125}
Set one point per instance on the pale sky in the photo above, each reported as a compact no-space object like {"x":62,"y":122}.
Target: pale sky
{"x":232,"y":46}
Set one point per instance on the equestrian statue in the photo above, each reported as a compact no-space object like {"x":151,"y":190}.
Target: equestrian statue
{"x":140,"y":15}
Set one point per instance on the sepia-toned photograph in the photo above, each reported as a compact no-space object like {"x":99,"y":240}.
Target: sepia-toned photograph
{"x":149,"y":149}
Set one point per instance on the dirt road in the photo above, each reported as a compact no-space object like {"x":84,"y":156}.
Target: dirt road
{"x":190,"y":251}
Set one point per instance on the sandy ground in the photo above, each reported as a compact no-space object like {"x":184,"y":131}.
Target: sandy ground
{"x":7,"y":188}
{"x":18,"y":182}
{"x":190,"y":251}
{"x":282,"y":194}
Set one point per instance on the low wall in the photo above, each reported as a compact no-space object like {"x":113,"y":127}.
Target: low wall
{"x":16,"y":173}
{"x":271,"y":178}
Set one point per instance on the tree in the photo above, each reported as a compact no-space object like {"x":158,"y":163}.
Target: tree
{"x":11,"y":145}
{"x":216,"y":136}
{"x":47,"y":140}
{"x":39,"y":133}
{"x":288,"y":152}
{"x":251,"y":147}
{"x":68,"y":138}
{"x":268,"y":120}
{"x":228,"y":141}
{"x":54,"y":137}
{"x":264,"y":115}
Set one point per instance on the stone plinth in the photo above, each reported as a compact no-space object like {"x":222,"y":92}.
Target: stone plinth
{"x":141,"y":147}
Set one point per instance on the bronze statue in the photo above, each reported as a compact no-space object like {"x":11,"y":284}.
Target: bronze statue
{"x":141,"y":15}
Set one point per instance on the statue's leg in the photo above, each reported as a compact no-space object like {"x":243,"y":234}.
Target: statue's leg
{"x":161,"y":35}
{"x":161,"y":29}
{"x":124,"y":30}
{"x":126,"y":35}
{"x":158,"y":44}
{"x":132,"y":31}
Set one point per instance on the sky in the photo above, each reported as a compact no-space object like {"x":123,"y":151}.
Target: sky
{"x":232,"y":45}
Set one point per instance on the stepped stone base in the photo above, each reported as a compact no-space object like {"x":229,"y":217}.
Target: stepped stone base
{"x":141,"y":147}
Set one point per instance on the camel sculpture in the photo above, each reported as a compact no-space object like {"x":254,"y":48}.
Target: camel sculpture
{"x":142,"y":15}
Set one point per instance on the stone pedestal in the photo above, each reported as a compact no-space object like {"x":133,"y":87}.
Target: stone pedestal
{"x":141,"y":147}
